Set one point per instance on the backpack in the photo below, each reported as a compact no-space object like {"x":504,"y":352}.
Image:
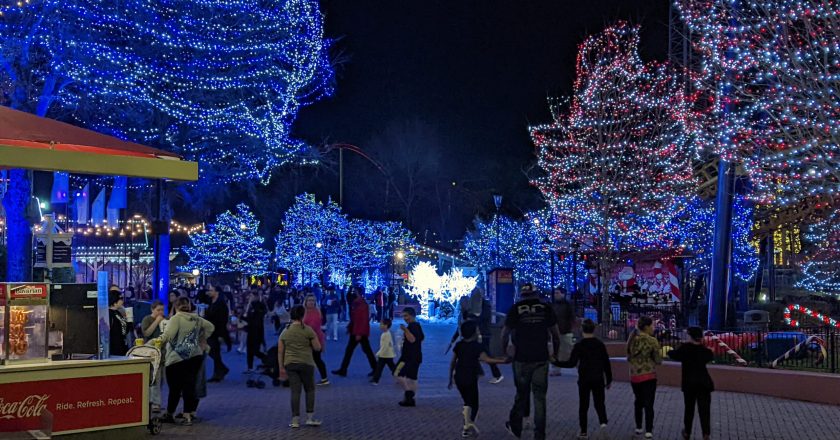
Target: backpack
{"x":187,"y":345}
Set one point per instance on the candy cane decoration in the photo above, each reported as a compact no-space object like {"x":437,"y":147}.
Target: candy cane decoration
{"x":807,"y":312}
{"x":798,"y":347}
{"x":729,"y":350}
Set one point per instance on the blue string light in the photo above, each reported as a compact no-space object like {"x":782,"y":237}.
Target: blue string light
{"x":232,"y":244}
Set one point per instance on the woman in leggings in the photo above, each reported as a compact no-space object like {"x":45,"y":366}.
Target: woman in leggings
{"x":312,"y":318}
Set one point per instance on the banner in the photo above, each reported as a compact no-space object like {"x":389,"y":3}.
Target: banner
{"x":61,"y":187}
{"x":119,"y":194}
{"x":98,"y":211}
{"x":82,"y":208}
{"x":75,"y":403}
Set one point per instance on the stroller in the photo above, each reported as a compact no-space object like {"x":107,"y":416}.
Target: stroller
{"x":151,"y":353}
{"x":269,"y":368}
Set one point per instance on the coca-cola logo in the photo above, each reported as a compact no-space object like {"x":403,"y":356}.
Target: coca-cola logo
{"x":31,"y":406}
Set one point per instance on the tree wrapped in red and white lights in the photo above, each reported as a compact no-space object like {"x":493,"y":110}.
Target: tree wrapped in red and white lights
{"x":617,"y":163}
{"x":770,"y":88}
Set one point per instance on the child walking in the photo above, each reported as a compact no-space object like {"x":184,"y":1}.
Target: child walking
{"x":385,"y":355}
{"x":411,"y":357}
{"x":594,"y":375}
{"x":697,"y":385}
{"x":465,"y":369}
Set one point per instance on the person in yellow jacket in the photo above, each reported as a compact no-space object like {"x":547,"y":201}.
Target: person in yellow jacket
{"x":643,"y":355}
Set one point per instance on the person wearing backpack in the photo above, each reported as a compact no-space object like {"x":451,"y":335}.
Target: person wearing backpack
{"x":186,"y":334}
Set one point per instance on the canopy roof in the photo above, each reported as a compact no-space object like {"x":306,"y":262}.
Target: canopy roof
{"x":32,"y":142}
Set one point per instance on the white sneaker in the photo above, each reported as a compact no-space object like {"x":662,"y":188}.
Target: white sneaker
{"x":639,"y":431}
{"x":496,"y":380}
{"x":311,"y":421}
{"x":648,"y":435}
{"x":295,"y":422}
{"x":603,"y":426}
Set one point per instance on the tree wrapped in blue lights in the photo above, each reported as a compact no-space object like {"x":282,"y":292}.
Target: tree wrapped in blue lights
{"x":694,"y":232}
{"x":218,"y":81}
{"x":821,"y":270}
{"x":317,"y":238}
{"x":232,"y":244}
{"x":523,"y":245}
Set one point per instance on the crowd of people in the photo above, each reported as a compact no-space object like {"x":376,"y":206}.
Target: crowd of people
{"x":537,"y":334}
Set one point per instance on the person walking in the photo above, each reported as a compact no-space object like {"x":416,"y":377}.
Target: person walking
{"x":385,"y":356}
{"x":184,"y":333}
{"x":217,"y":313}
{"x":643,"y":355}
{"x":312,"y":318}
{"x":294,"y":355}
{"x":594,"y":375}
{"x":565,"y":314}
{"x":482,"y":322}
{"x":411,"y":356}
{"x":359,"y":329}
{"x":697,"y":384}
{"x":464,"y":371}
{"x":530,"y":325}
{"x":255,"y":328}
{"x":379,"y":303}
{"x":392,"y":302}
{"x":332,"y":309}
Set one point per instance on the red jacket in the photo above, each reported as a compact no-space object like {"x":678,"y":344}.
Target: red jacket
{"x":360,"y":318}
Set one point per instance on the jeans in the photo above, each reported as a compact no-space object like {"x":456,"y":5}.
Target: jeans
{"x":468,"y":388}
{"x":302,"y":376}
{"x":703,"y":399}
{"x":530,"y":376}
{"x":181,"y":377}
{"x":332,"y":325}
{"x":219,"y":368}
{"x":597,"y":391}
{"x":645,"y":393}
{"x":380,"y":367}
{"x":348,"y":353}
{"x":319,"y":362}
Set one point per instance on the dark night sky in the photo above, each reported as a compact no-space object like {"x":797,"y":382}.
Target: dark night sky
{"x":477,"y":71}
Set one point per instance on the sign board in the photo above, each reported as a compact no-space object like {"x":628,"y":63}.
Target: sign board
{"x":75,"y":403}
{"x":24,"y":291}
{"x":53,"y":250}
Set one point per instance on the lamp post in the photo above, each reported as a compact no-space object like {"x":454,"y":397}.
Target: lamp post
{"x":497,"y":200}
{"x":320,"y":246}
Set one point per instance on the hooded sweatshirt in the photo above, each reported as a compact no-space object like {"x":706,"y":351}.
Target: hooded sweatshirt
{"x":360,"y":318}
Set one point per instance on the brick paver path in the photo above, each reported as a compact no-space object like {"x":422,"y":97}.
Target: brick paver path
{"x":353,"y":409}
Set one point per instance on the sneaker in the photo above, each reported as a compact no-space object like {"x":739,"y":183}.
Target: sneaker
{"x":512,"y":431}
{"x":603,"y":426}
{"x":323,"y":382}
{"x":639,"y":431}
{"x":466,"y":433}
{"x":312,"y":422}
{"x":374,"y":383}
{"x":340,"y":373}
{"x":187,"y":421}
{"x":583,"y":435}
{"x":496,"y":380}
{"x":648,"y":435}
{"x":295,"y":422}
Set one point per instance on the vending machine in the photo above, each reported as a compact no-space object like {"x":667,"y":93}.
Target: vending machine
{"x":24,"y":322}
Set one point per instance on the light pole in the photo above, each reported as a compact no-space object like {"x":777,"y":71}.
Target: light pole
{"x":497,"y":200}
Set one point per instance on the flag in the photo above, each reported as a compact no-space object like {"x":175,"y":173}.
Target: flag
{"x":60,"y":187}
{"x":98,"y":211}
{"x":119,"y":194}
{"x":82,"y":208}
{"x":113,"y":217}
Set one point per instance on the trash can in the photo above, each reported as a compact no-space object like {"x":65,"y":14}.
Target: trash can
{"x":777,"y":343}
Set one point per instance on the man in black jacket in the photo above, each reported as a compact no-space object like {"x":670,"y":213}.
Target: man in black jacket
{"x":218,"y":314}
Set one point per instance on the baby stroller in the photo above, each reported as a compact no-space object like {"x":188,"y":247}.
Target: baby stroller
{"x":271,"y":368}
{"x":151,"y":353}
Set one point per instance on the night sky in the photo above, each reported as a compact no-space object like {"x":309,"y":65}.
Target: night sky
{"x":476,"y":72}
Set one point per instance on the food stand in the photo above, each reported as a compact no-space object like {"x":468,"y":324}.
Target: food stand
{"x":70,"y":396}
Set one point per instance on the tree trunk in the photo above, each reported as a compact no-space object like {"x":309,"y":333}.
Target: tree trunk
{"x":18,"y":229}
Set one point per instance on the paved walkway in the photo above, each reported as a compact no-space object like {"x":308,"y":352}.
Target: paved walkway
{"x":353,"y":409}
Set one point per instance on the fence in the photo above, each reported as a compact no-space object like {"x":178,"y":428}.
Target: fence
{"x":808,"y":348}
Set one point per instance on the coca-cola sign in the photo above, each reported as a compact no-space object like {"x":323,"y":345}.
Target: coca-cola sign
{"x":75,"y":403}
{"x":30,"y":406}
